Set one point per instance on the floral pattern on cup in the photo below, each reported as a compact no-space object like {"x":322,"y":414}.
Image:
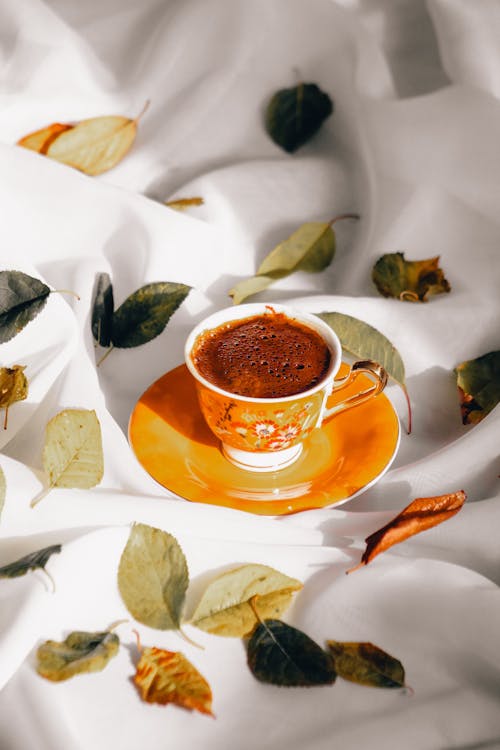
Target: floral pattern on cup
{"x":272,"y":427}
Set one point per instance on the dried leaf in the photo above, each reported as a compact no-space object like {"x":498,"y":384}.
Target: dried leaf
{"x":168,"y":677}
{"x":13,"y":387}
{"x":282,"y":655}
{"x":3,"y":489}
{"x":366,"y":342}
{"x":366,"y":664}
{"x":310,"y":248}
{"x":22,"y":297}
{"x":420,"y":515}
{"x":79,"y":653}
{"x":153,"y":577}
{"x":32,"y":561}
{"x":295,"y":114}
{"x":144,"y":314}
{"x":180,"y":204}
{"x":412,"y":280}
{"x":102,"y":310}
{"x":224,"y":608}
{"x":478,"y":382}
{"x":40,"y":140}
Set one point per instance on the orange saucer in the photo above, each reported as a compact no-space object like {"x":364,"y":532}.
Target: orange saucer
{"x":174,"y":445}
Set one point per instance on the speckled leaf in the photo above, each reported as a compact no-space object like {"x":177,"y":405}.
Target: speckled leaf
{"x":282,"y":655}
{"x":478,"y":382}
{"x":410,"y":280}
{"x":33,"y":560}
{"x":224,"y":608}
{"x":102,"y":310}
{"x":153,"y":577}
{"x":295,"y":114}
{"x":366,"y":664}
{"x":22,"y":297}
{"x":79,"y":653}
{"x":13,"y":387}
{"x":72,"y":454}
{"x":168,"y":677}
{"x":144,"y":314}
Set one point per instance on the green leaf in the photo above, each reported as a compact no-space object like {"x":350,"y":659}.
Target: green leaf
{"x":153,"y":577}
{"x":295,"y":114}
{"x":102,"y":310}
{"x":3,"y":489}
{"x":366,"y":342}
{"x":22,"y":297}
{"x":366,"y":664}
{"x":144,"y":314}
{"x":32,"y":561}
{"x":79,"y":653}
{"x":411,"y":280}
{"x":282,"y":655}
{"x":224,"y":608}
{"x":478,"y":382}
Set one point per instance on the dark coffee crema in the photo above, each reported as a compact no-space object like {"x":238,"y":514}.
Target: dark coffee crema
{"x":263,"y":356}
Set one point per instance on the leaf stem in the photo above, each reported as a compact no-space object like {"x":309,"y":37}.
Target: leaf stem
{"x":344,"y":216}
{"x":408,"y":403}
{"x":66,"y":291}
{"x":137,"y":640}
{"x":5,"y":419}
{"x":108,"y":352}
{"x":50,"y":579}
{"x":143,"y":111}
{"x":116,"y":623}
{"x":190,"y":640}
{"x":41,"y":495}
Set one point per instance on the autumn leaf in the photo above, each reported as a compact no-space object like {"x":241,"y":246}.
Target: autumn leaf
{"x":282,"y":655}
{"x":224,"y":608}
{"x":22,"y":297}
{"x":79,"y":653}
{"x":366,"y":664}
{"x":420,"y":515}
{"x":72,"y":454}
{"x":478,"y":382}
{"x":40,"y":140}
{"x":153,"y":577}
{"x":13,"y":387}
{"x":168,"y":677}
{"x":310,"y":248}
{"x":412,"y":280}
{"x":294,"y":115}
{"x":32,"y":561}
{"x":180,"y":204}
{"x":366,"y":342}
{"x":102,"y":310}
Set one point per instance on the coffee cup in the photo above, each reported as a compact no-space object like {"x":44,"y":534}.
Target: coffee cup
{"x":264,"y":374}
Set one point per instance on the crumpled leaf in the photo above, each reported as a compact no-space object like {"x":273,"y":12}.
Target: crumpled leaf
{"x":102,"y":310}
{"x":412,"y":280}
{"x":79,"y":653}
{"x":146,"y":312}
{"x":180,"y":204}
{"x":310,"y":248}
{"x":22,"y":297}
{"x":13,"y":387}
{"x":366,"y":664}
{"x":168,"y":677}
{"x":225,"y":609}
{"x":72,"y":454}
{"x":478,"y":382}
{"x":366,"y":342}
{"x":282,"y":655}
{"x":153,"y":577}
{"x":295,"y":114}
{"x":40,"y":140}
{"x":33,"y":560}
{"x":3,"y":490}
{"x":420,"y":515}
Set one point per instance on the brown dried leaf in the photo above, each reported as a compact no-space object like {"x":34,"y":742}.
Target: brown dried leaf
{"x":420,"y":515}
{"x":13,"y":387}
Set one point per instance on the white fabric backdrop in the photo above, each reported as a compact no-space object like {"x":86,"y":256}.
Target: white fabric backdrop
{"x":411,"y":146}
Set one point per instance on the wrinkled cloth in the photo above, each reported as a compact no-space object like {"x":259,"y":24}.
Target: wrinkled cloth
{"x":412,"y":147}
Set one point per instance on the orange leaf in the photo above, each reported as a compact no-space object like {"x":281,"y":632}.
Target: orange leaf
{"x":40,"y":140}
{"x":168,"y":677}
{"x":419,"y":515}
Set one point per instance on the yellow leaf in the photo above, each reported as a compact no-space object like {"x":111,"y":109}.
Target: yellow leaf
{"x":180,"y":204}
{"x":40,"y":140}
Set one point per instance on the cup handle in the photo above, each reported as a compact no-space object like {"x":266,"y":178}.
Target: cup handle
{"x":377,"y":374}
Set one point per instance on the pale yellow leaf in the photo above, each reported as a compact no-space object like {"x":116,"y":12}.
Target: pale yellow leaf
{"x":72,"y":454}
{"x":180,"y":204}
{"x":40,"y":140}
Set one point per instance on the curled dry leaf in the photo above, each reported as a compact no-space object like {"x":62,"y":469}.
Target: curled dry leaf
{"x":295,"y":114}
{"x":283,"y":655}
{"x":225,"y":609}
{"x":13,"y":387}
{"x":478,"y":382}
{"x":22,"y":297}
{"x":153,"y":577}
{"x":33,"y":560}
{"x":410,"y":280}
{"x":40,"y":140}
{"x":79,"y":653}
{"x":366,"y":664}
{"x":420,"y":515}
{"x":168,"y":677}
